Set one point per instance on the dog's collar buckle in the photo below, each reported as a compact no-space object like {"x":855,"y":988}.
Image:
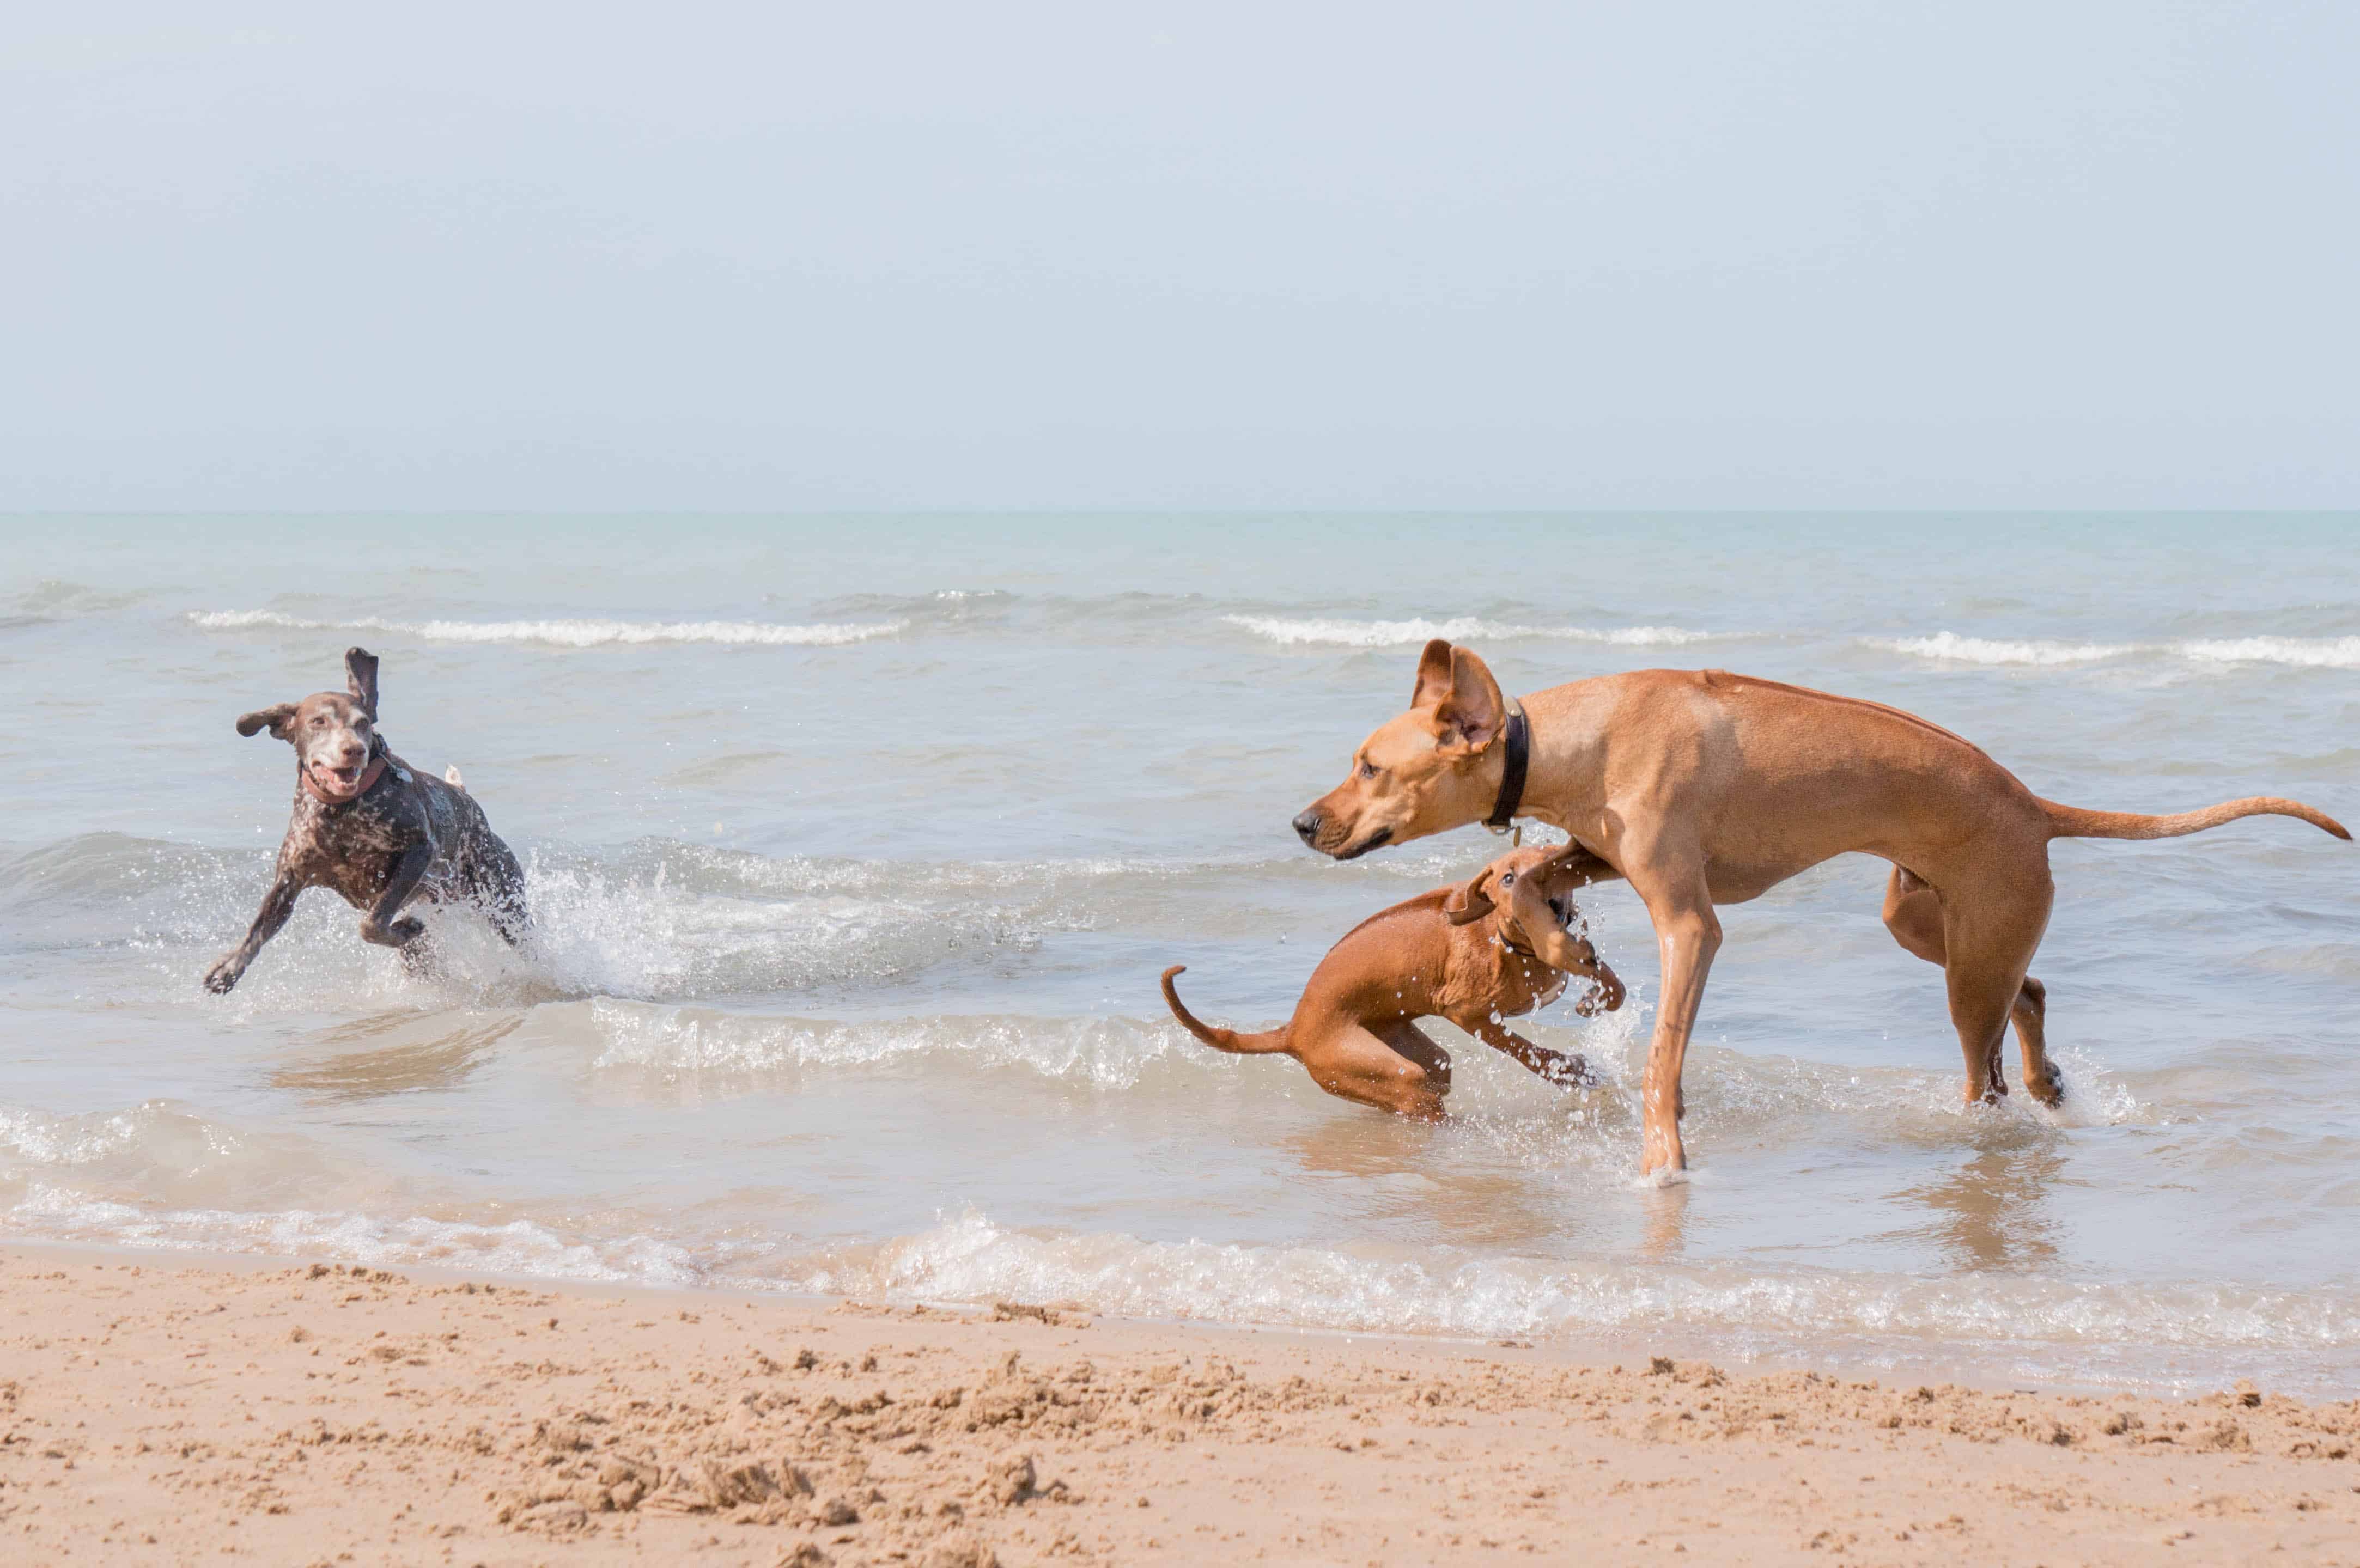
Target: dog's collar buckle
{"x":1519,"y":736}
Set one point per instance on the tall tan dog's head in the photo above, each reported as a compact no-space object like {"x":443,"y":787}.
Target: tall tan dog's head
{"x":1435,"y":768}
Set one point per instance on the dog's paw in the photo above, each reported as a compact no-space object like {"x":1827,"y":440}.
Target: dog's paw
{"x":1573,"y":1072}
{"x":221,"y":977}
{"x":401,"y":933}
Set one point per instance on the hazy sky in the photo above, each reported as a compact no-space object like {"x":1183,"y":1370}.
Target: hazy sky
{"x":1106,"y":254}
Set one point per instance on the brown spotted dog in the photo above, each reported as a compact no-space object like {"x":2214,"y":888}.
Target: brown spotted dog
{"x":372,"y":829}
{"x":1492,"y":948}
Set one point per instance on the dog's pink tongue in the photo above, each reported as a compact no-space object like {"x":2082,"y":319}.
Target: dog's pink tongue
{"x":332,"y":782}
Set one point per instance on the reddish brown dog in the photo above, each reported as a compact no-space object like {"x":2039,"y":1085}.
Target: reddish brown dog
{"x":1704,"y":788}
{"x":1493,"y":947}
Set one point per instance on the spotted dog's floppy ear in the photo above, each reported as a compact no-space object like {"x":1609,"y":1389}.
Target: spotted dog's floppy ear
{"x":273,"y":718}
{"x":1471,"y":900}
{"x":360,"y":678}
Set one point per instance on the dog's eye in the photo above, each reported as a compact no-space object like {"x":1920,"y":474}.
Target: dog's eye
{"x":1508,"y":880}
{"x":1367,"y":768}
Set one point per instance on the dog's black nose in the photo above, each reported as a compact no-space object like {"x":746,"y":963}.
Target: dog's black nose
{"x":1308,"y":824}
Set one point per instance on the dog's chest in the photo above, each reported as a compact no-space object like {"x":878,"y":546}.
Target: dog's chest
{"x":352,"y":850}
{"x":1512,"y":982}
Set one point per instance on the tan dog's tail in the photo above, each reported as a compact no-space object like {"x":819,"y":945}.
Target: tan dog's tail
{"x":1219,"y":1038}
{"x":2073,"y":821}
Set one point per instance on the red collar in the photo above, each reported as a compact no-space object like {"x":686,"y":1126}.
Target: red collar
{"x":369,"y":776}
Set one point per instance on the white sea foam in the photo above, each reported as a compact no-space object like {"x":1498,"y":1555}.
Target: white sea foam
{"x":1109,"y":1052}
{"x":1948,"y":647}
{"x":2327,"y":653}
{"x":571,"y":632}
{"x":518,"y":1247}
{"x":1954,"y":648}
{"x":1320,"y":630}
{"x":2064,"y":1323}
{"x":971,"y":1258}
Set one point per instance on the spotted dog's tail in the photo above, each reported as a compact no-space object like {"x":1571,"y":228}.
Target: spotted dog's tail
{"x":450,"y":777}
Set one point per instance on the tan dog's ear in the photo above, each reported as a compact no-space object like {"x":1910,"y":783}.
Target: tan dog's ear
{"x":360,"y":678}
{"x":1474,"y":714}
{"x":1433,"y":686}
{"x":273,"y":719}
{"x":1469,"y":901}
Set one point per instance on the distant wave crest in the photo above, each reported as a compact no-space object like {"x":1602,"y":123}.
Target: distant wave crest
{"x":2319,"y":653}
{"x":576,"y":633}
{"x":1957,"y":649}
{"x":2327,"y":653}
{"x":1321,"y":630}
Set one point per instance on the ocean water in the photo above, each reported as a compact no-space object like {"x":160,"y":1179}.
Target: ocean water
{"x":857,"y":846}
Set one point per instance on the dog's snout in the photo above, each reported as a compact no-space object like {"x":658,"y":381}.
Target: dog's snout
{"x":1308,"y":824}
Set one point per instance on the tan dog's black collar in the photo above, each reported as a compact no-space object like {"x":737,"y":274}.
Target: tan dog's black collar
{"x":1519,"y":738}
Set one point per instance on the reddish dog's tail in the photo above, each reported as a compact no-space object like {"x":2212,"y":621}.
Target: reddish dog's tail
{"x":1219,"y":1038}
{"x":2073,"y":821}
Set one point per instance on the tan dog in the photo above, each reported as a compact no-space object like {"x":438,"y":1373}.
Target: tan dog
{"x":1705,"y":787}
{"x":1492,"y":948}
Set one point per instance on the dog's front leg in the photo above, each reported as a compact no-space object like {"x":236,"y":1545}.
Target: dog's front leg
{"x":1557,"y":1066}
{"x":277,"y":905}
{"x":1688,"y":933}
{"x":379,"y":925}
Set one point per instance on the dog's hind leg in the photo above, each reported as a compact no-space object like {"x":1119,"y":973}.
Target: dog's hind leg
{"x":1989,"y":936}
{"x":508,"y":915}
{"x":1424,"y":1089}
{"x":1913,"y":913}
{"x":497,"y":888}
{"x":1391,"y":1065}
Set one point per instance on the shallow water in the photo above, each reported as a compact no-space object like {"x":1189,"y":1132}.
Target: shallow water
{"x":857,"y":846}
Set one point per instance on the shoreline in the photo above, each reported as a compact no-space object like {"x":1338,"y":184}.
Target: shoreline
{"x":1852,"y":1357}
{"x":155,"y":1406}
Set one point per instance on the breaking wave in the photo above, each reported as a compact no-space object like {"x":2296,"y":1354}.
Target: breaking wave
{"x":2326,"y":653}
{"x":1947,"y":647}
{"x":570,"y":633}
{"x":1110,"y":1053}
{"x":1319,"y":630}
{"x":2182,"y":1331}
{"x":972,"y":1259}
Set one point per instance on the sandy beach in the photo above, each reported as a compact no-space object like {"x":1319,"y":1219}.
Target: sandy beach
{"x":153,"y":1411}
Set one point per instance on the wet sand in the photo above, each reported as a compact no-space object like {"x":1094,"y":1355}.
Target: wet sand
{"x":154,"y":1411}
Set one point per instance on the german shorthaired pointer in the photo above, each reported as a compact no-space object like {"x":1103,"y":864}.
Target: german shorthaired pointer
{"x":374,"y":830}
